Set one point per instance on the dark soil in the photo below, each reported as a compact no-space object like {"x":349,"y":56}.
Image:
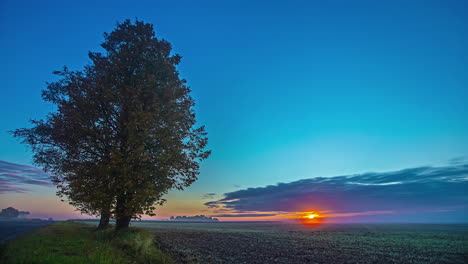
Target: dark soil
{"x":260,"y":244}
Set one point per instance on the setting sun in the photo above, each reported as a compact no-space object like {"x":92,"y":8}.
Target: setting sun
{"x":309,"y":218}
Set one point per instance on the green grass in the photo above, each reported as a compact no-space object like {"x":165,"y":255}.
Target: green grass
{"x":69,"y":242}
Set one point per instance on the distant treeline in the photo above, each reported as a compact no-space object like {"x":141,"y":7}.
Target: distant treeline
{"x":11,"y":212}
{"x":196,"y":218}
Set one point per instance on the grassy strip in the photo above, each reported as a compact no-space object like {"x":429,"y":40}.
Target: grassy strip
{"x":69,"y":242}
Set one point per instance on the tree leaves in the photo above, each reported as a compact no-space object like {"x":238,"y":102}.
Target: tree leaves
{"x":124,"y":131}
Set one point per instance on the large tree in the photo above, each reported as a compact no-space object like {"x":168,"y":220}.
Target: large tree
{"x":75,"y":142}
{"x":124,"y":132}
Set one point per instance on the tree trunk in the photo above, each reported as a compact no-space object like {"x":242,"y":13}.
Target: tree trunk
{"x":105,"y":217}
{"x":123,"y":215}
{"x":122,"y":222}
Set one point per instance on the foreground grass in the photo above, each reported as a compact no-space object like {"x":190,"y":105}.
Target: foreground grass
{"x":69,"y":242}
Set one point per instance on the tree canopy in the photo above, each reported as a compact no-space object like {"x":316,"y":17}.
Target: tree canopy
{"x":124,"y":132}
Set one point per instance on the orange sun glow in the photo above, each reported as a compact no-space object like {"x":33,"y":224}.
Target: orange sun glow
{"x":310,"y":218}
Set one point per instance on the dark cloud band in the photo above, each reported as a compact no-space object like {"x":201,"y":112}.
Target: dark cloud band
{"x":417,"y":189}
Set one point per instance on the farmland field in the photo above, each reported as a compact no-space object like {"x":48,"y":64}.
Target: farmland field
{"x":10,"y":229}
{"x":273,"y":242}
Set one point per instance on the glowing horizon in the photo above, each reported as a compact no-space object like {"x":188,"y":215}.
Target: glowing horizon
{"x":27,"y":188}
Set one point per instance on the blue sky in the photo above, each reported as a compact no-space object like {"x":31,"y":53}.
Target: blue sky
{"x":288,"y":90}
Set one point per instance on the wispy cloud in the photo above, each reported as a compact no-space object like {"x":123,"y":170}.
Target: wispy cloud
{"x":208,"y":196}
{"x":17,"y":178}
{"x":422,"y":189}
{"x":458,"y":160}
{"x":243,"y":215}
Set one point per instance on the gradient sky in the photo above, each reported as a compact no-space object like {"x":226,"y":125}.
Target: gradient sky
{"x":288,"y":91}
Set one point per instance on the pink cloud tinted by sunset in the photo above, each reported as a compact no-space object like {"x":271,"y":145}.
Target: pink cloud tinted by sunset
{"x":20,"y":178}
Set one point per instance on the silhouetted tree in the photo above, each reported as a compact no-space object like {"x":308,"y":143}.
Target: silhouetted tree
{"x":74,"y":143}
{"x":159,"y":146}
{"x":11,"y":212}
{"x":124,"y":131}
